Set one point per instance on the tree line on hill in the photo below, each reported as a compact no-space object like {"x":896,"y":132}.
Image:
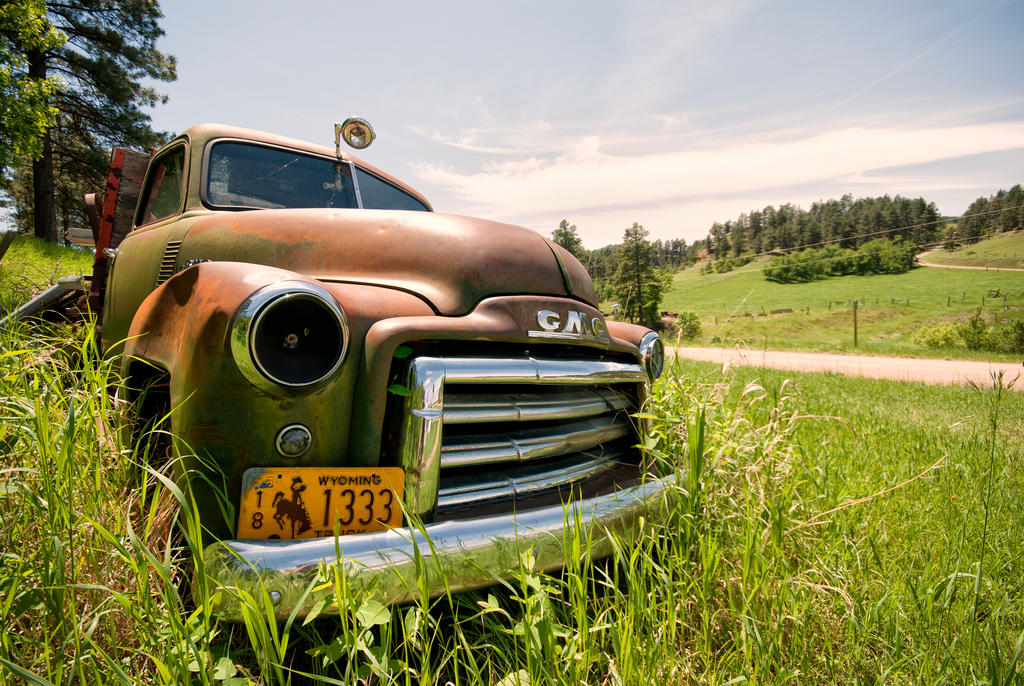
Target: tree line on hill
{"x":834,"y":237}
{"x":997,"y":213}
{"x":839,"y":226}
{"x":71,"y":88}
{"x":850,"y":223}
{"x":845,"y":222}
{"x":917,"y":227}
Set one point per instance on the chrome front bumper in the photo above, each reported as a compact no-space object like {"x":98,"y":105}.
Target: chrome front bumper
{"x":397,"y":566}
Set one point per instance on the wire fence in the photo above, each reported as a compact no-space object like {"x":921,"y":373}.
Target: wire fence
{"x":963,"y":301}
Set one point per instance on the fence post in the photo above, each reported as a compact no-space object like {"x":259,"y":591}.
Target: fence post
{"x":854,"y":323}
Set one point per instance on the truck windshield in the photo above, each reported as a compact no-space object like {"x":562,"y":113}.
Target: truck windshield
{"x":255,"y":176}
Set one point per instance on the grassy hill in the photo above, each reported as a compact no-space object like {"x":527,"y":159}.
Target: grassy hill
{"x":30,"y":265}
{"x":741,"y":307}
{"x":1004,"y":250}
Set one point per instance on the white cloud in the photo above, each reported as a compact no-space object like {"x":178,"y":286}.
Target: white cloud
{"x":468,"y":140}
{"x":672,"y":121}
{"x":666,"y":190}
{"x":485,"y":112}
{"x":534,"y":137}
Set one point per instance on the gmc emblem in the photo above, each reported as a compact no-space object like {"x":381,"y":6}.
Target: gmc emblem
{"x":578,"y":326}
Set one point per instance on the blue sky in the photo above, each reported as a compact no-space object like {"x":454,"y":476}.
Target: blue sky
{"x":672,"y":114}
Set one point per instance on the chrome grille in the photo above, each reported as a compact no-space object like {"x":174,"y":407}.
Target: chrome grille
{"x":532,"y":444}
{"x":483,"y":430}
{"x":505,"y":407}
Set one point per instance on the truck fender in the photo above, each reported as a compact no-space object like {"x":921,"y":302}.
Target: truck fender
{"x":631,"y":333}
{"x":192,"y":310}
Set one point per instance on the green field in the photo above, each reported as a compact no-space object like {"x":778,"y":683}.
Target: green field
{"x":1002,"y":250}
{"x":877,"y":584}
{"x":825,"y":530}
{"x":741,"y":307}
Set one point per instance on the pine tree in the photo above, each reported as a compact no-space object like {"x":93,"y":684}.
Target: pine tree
{"x":567,"y":236}
{"x":974,"y":221}
{"x":638,"y":284}
{"x":25,"y":111}
{"x":111,"y":47}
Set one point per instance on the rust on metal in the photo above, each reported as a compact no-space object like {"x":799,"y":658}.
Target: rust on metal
{"x":114,"y":220}
{"x":452,"y":262}
{"x":191,"y":300}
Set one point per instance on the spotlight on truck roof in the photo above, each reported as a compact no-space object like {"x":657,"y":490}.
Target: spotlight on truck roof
{"x":356,"y":131}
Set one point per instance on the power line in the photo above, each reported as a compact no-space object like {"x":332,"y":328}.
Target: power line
{"x":863,"y":235}
{"x":854,"y":256}
{"x":874,"y":233}
{"x":885,"y":231}
{"x":833,"y":258}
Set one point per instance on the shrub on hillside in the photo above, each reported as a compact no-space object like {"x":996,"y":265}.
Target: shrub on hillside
{"x":944,"y":335}
{"x":974,"y":334}
{"x":879,"y":256}
{"x":1010,"y":338}
{"x":727,"y":264}
{"x":883,"y":256}
{"x":688,"y":326}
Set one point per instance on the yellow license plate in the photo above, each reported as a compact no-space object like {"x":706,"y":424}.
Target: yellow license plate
{"x":309,"y":502}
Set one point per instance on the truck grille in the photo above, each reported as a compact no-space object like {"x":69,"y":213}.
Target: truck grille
{"x":482,"y":431}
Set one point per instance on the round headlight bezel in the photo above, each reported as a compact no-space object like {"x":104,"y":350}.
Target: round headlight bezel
{"x":652,"y":352}
{"x":251,"y":313}
{"x":286,"y":438}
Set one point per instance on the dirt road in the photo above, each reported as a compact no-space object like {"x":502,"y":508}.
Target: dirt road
{"x":922,"y":257}
{"x":895,"y":368}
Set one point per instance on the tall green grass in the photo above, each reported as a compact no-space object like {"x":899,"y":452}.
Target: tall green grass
{"x":823,"y":530}
{"x":31,"y":264}
{"x":90,"y":583}
{"x":914,"y":501}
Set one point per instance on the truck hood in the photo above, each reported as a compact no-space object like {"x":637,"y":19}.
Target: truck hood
{"x":451,"y":262}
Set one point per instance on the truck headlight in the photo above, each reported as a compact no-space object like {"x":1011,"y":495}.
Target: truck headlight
{"x":653,"y":353}
{"x":290,"y":333}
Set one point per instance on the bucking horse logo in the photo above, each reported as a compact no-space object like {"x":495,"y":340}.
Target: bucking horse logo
{"x":293,"y":509}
